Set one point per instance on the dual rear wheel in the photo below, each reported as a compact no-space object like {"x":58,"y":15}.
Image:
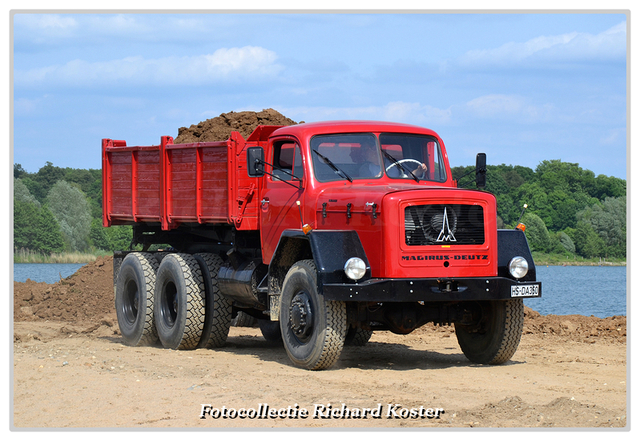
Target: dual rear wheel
{"x":175,"y":301}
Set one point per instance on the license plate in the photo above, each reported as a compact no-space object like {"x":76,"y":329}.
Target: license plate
{"x":525,"y":291}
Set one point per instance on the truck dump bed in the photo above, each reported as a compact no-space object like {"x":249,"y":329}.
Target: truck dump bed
{"x":173,"y":184}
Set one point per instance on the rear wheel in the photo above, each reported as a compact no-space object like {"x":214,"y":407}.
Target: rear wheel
{"x":243,"y":320}
{"x":179,"y":309}
{"x":313,"y":328}
{"x":134,"y":298}
{"x":217,"y":318}
{"x":270,"y":330}
{"x":357,"y":336}
{"x":496,"y":336}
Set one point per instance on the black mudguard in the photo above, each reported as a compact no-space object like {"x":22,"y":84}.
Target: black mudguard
{"x":330,"y":250}
{"x":513,"y":243}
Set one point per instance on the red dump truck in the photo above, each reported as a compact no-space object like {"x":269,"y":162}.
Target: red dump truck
{"x":324,"y":232}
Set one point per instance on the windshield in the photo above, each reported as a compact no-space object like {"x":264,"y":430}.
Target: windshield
{"x":354,"y":156}
{"x":412,"y":156}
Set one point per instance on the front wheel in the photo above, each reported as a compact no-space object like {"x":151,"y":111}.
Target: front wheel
{"x":313,"y":329}
{"x":496,"y":336}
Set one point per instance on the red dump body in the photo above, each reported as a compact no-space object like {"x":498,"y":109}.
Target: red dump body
{"x":175,"y":184}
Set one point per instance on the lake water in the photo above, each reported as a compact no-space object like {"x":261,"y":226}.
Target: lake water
{"x":584,"y":290}
{"x":44,"y":272}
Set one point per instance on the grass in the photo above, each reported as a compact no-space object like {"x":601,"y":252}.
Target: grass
{"x":27,"y":256}
{"x":572,"y":260}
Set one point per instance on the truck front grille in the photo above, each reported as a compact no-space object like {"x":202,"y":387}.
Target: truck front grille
{"x":441,"y":224}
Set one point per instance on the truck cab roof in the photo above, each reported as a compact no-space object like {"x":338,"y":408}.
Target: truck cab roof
{"x":307,"y":130}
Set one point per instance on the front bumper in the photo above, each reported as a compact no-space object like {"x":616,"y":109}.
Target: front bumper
{"x":431,"y":290}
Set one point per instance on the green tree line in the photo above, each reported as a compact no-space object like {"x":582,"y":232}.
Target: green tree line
{"x":570,"y":211}
{"x":60,"y":210}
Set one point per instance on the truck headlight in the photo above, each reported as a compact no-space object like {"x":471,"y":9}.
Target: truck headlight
{"x":518,"y":267}
{"x":355,"y":268}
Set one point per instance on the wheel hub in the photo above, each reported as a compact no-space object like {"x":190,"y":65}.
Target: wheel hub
{"x":130,"y":303}
{"x":301,"y":315}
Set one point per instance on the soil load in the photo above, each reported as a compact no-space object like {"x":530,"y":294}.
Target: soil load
{"x":220,"y":127}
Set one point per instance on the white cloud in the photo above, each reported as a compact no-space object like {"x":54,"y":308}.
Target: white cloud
{"x":45,"y":21}
{"x":495,"y":104}
{"x":115,"y":27}
{"x":24,"y":106}
{"x":613,"y":136}
{"x":398,"y":111}
{"x":416,"y":113}
{"x":43,"y":28}
{"x":507,"y":107}
{"x":569,"y":47}
{"x":230,"y":64}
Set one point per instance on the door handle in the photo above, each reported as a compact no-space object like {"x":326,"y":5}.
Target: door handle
{"x":264,"y":201}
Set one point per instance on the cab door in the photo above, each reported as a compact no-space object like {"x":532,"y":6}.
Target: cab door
{"x":282,"y":188}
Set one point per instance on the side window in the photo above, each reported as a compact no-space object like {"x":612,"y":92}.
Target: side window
{"x":298,"y":171}
{"x":287,"y":161}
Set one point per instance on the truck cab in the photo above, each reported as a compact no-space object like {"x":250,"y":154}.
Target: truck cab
{"x":375,"y":207}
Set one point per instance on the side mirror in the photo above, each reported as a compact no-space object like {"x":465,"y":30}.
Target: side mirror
{"x":255,"y":161}
{"x":481,"y":170}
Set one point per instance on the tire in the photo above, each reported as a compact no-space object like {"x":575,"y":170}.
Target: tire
{"x":497,"y":337}
{"x":313,"y":328}
{"x":179,"y":309}
{"x":134,"y":299}
{"x":270,"y":330}
{"x":357,"y":336}
{"x":160,"y":255}
{"x":217,"y":317}
{"x":243,"y":320}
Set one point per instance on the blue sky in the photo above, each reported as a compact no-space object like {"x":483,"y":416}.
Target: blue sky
{"x":522,"y":87}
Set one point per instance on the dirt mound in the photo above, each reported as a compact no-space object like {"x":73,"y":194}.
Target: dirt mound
{"x":576,"y":327}
{"x":561,"y":412}
{"x":569,"y":327}
{"x":220,"y":127}
{"x":87,"y":296}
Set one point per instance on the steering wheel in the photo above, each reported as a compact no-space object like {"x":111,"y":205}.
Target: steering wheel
{"x":402,"y":161}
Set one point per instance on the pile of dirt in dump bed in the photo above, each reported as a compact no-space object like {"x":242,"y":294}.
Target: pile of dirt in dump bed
{"x":220,"y":127}
{"x":87,"y":296}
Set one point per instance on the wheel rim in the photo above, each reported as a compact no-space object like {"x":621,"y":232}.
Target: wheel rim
{"x":301,"y":317}
{"x":130,"y":303}
{"x":170,"y":304}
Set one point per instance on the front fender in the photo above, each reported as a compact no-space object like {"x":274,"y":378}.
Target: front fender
{"x":330,"y":250}
{"x":513,"y":243}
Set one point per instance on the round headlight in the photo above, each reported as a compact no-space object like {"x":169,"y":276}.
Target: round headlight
{"x":355,"y":268}
{"x":518,"y":267}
